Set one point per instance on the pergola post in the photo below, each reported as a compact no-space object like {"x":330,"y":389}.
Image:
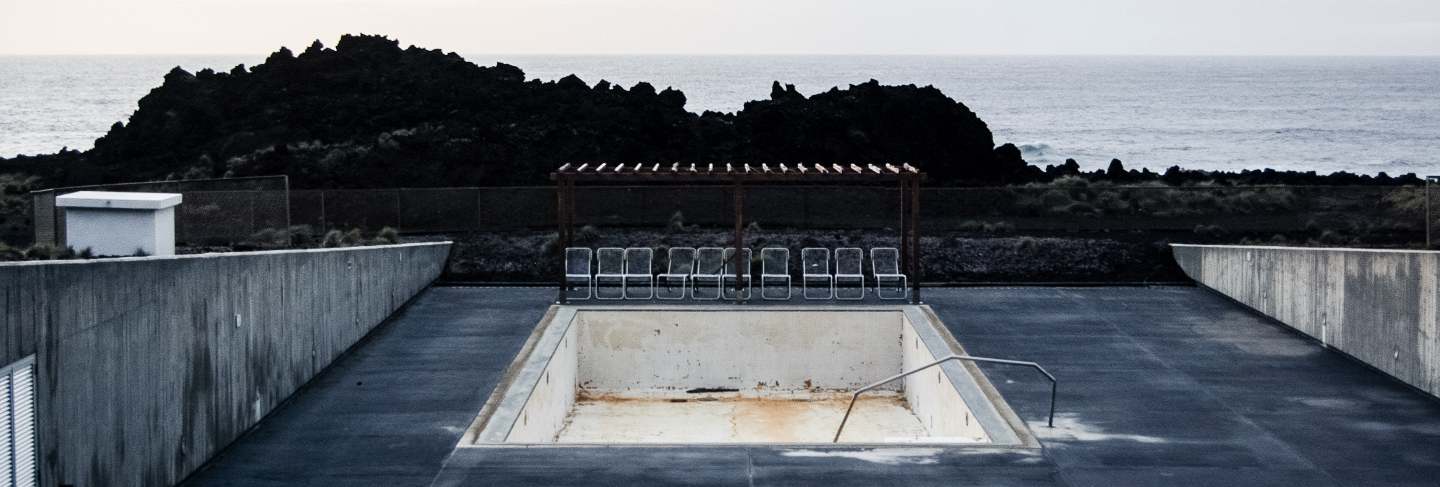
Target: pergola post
{"x":562,"y":235}
{"x":914,"y":262}
{"x":904,"y":228}
{"x":739,"y":198}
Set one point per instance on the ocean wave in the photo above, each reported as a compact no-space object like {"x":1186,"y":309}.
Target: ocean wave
{"x":1037,"y":150}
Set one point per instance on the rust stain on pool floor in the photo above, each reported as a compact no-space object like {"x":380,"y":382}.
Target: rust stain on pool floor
{"x":731,"y":418}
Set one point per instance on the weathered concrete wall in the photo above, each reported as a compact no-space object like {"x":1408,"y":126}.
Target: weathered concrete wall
{"x":758,"y":353}
{"x":931,"y":393}
{"x":553,"y":394}
{"x":149,"y":366}
{"x":1378,"y":306}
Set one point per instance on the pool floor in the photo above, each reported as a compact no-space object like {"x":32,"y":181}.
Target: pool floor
{"x":879,"y":418}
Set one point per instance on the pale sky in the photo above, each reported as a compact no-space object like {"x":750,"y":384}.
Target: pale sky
{"x":964,"y":27}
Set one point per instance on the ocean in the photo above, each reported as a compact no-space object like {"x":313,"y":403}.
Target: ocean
{"x":1324,"y":114}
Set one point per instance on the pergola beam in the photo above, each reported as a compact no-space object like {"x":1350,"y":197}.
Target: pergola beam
{"x":905,"y":176}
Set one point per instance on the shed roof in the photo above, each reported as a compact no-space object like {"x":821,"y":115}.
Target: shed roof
{"x":119,"y":200}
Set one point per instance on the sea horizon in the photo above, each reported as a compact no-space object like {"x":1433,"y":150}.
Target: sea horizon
{"x":1362,"y":114}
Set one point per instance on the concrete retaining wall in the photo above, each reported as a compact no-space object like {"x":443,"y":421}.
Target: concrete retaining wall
{"x":148,"y":366}
{"x":1379,"y":306}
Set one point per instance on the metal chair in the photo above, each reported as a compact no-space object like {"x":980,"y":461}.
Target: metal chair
{"x":885,"y":265}
{"x":610,"y":267}
{"x":849,"y":267}
{"x":815,"y":267}
{"x":681,"y":263}
{"x":638,"y":262}
{"x":727,"y":284}
{"x":709,"y":266}
{"x":774,"y":267}
{"x":577,"y":269}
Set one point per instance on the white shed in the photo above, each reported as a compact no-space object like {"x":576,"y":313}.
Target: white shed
{"x":119,"y":223}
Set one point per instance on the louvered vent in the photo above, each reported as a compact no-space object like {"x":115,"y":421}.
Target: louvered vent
{"x":17,"y":423}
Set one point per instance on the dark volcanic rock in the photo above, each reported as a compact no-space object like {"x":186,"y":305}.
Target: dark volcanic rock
{"x":371,"y":114}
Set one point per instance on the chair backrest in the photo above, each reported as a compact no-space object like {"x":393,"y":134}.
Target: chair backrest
{"x":815,"y":261}
{"x":709,"y":261}
{"x":848,"y":261}
{"x":885,"y":261}
{"x":682,"y":260}
{"x":730,"y":261}
{"x":775,"y":261}
{"x":610,"y":260}
{"x":577,"y":261}
{"x":638,"y":260}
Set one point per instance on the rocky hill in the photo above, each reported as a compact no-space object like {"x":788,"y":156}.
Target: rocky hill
{"x":369,"y":113}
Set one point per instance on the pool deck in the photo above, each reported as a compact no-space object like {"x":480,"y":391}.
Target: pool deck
{"x":1158,"y":386}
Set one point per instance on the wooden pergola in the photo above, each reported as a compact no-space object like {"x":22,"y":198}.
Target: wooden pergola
{"x":906,"y":177}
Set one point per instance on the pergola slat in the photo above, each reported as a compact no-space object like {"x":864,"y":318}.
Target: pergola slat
{"x":730,"y":172}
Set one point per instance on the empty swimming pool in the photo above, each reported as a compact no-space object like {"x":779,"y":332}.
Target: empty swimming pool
{"x":613,"y":375}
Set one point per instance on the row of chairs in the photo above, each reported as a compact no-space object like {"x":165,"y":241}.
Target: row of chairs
{"x":697,"y":269}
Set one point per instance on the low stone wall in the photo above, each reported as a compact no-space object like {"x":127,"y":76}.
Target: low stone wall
{"x":1378,"y":306}
{"x":146,"y":367}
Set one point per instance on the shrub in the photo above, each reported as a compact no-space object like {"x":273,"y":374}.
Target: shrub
{"x":332,"y":239}
{"x":1078,"y":208}
{"x":40,"y":252}
{"x":1209,"y":231}
{"x":302,"y":236}
{"x":587,"y":235}
{"x":267,"y":238}
{"x":10,"y":253}
{"x":387,"y":235}
{"x":677,"y":223}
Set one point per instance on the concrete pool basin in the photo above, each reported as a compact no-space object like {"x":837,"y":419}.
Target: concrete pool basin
{"x":656,"y":375}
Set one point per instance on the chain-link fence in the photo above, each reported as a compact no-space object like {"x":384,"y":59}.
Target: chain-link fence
{"x":217,"y":212}
{"x":213,"y":212}
{"x":1378,"y":215}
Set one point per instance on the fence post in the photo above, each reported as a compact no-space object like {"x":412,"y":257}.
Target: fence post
{"x":289,"y":238}
{"x":324,"y":226}
{"x":399,"y":220}
{"x":1429,"y":180}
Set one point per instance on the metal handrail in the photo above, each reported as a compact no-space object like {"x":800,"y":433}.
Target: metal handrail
{"x":1053,"y":384}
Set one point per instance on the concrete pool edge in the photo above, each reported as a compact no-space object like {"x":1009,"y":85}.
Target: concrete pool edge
{"x":499,"y":399}
{"x":1016,"y":426}
{"x":493,"y":425}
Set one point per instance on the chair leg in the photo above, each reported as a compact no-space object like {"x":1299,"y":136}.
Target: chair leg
{"x":649,"y":286}
{"x":666,"y":281}
{"x":695,"y":287}
{"x":829,"y":287}
{"x":765,"y":287}
{"x":570,"y":285}
{"x":904,"y":289}
{"x":600,"y":284}
{"x":727,"y":289}
{"x":651,"y":281}
{"x":860,"y":287}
